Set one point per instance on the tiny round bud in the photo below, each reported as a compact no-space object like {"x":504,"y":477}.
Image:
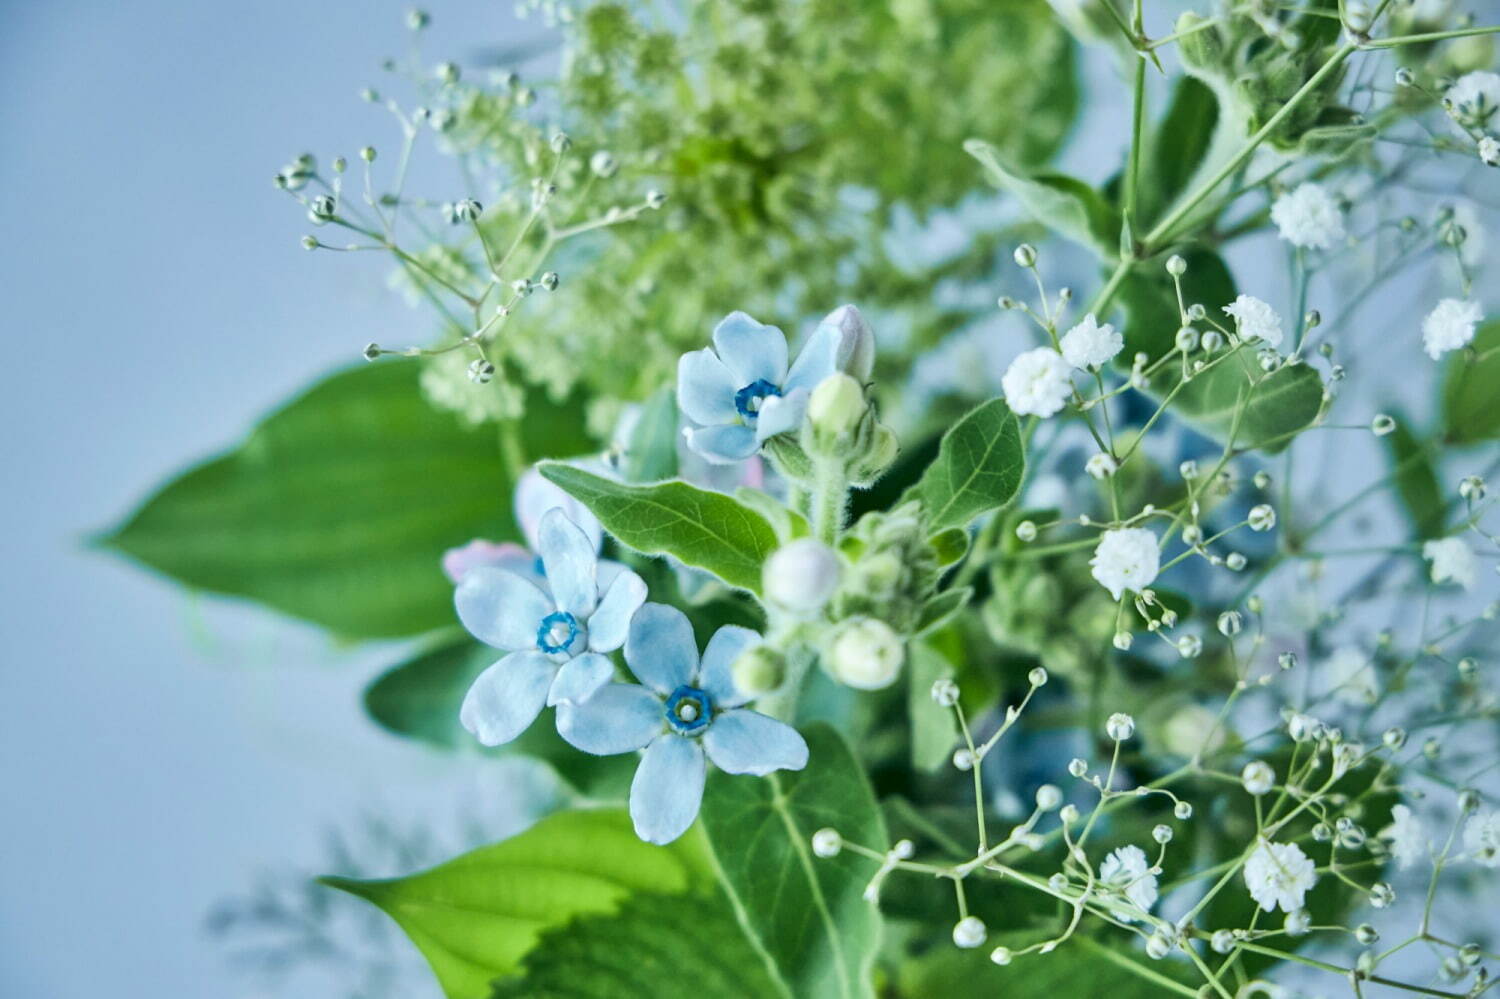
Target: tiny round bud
{"x":1258,"y":777}
{"x":417,"y":19}
{"x":1158,"y":946}
{"x":467,"y":210}
{"x":1048,"y":797}
{"x":1229,"y":623}
{"x":836,"y":407}
{"x":522,"y":286}
{"x":1025,"y":255}
{"x":1122,"y":640}
{"x":1101,"y":466}
{"x":1222,"y":941}
{"x":1467,"y":668}
{"x":827,"y":842}
{"x":367,"y":154}
{"x":1162,"y":834}
{"x":1261,"y":480}
{"x":1403,"y":77}
{"x":1068,"y":814}
{"x":310,"y":243}
{"x":549,"y":281}
{"x":801,"y":576}
{"x":1382,"y":895}
{"x":655,"y":199}
{"x":1366,"y":934}
{"x":1297,"y":923}
{"x":1212,"y":340}
{"x":1382,"y":424}
{"x":1078,"y":767}
{"x":1196,"y":312}
{"x":1026,"y":531}
{"x":1182,"y":810}
{"x":1262,"y":517}
{"x":963,"y":759}
{"x":1472,"y":488}
{"x":1186,"y":339}
{"x":1468,"y":800}
{"x":969,"y":932}
{"x":1286,"y":660}
{"x":1119,"y":726}
{"x":1394,"y":738}
{"x":865,"y":653}
{"x":561,"y":142}
{"x":945,"y":693}
{"x":372,"y":351}
{"x":1176,"y":266}
{"x":903,"y":849}
{"x":758,"y":670}
{"x":1037,"y":677}
{"x":603,"y":164}
{"x":321,"y":209}
{"x":1189,"y":646}
{"x":481,"y":371}
{"x":1234,"y":561}
{"x":1001,"y":956}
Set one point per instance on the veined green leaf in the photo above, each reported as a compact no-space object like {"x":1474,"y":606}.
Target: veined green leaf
{"x":339,"y":505}
{"x":1063,"y":204}
{"x":477,"y":916}
{"x":979,"y":467}
{"x":1416,"y":482}
{"x":1109,"y":968}
{"x":1471,"y":389}
{"x":656,"y":946}
{"x":703,"y":529}
{"x":813,"y":927}
{"x":651,"y":454}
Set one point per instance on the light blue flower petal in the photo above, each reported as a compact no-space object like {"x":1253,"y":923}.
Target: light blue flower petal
{"x":668,"y":788}
{"x":747,"y":742}
{"x":579,"y":677}
{"x":571,"y":562}
{"x":714,"y":676}
{"x":723,"y":445}
{"x":507,"y":697}
{"x":534,"y":496}
{"x":500,"y":608}
{"x":780,"y":414}
{"x":618,"y":718}
{"x":611,"y":621}
{"x":751,"y":351}
{"x":819,"y":359}
{"x":660,"y":648}
{"x":705,"y":388}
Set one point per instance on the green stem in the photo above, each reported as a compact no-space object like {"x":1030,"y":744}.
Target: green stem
{"x":830,"y":495}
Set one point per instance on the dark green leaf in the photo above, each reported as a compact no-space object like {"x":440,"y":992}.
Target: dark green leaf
{"x":652,"y":452}
{"x":1063,"y":204}
{"x":1177,"y":147}
{"x":933,"y":732}
{"x":475,"y":917}
{"x":979,"y":467}
{"x":1079,"y":967}
{"x":1471,"y":389}
{"x":949,"y":546}
{"x":657,"y":946}
{"x":939,"y":609}
{"x":806,"y":912}
{"x":703,"y":529}
{"x":1416,"y":482}
{"x":338,"y":507}
{"x":420,"y":699}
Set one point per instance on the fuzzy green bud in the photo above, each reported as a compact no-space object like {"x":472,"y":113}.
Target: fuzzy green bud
{"x":760,"y":669}
{"x":865,"y":653}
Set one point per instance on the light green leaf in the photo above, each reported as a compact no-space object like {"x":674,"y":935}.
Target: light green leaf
{"x":703,"y":529}
{"x":339,"y":505}
{"x":1063,"y":204}
{"x":969,"y":974}
{"x":651,"y":454}
{"x":657,"y":946}
{"x":788,"y":523}
{"x":1416,"y":482}
{"x":420,"y":699}
{"x":937,"y":611}
{"x":949,"y":546}
{"x":933,"y":731}
{"x":815,"y":930}
{"x":979,"y":467}
{"x":1471,"y":388}
{"x":477,"y":916}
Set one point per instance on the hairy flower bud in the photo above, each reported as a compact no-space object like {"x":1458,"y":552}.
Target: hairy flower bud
{"x":836,"y":407}
{"x":865,"y":653}
{"x":801,"y":576}
{"x":760,"y":669}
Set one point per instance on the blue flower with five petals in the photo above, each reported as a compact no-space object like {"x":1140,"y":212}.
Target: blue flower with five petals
{"x":555,"y":633}
{"x":685,"y":709}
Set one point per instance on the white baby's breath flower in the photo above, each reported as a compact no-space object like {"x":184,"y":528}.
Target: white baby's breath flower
{"x":1255,"y":320}
{"x":1101,"y":466}
{"x":1126,"y":559}
{"x":1090,"y":345}
{"x":1036,"y":383}
{"x":1407,"y":836}
{"x":1489,"y":151}
{"x":1127,"y":870}
{"x":1473,"y":98}
{"x":1308,"y":217}
{"x":1349,"y":676}
{"x":1279,"y":874}
{"x":1482,"y":838}
{"x":1449,"y":326}
{"x":1451,"y":560}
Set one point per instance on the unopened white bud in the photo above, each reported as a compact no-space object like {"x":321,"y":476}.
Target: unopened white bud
{"x":1122,"y":640}
{"x":1229,"y":623}
{"x":1234,"y":561}
{"x":1262,"y":517}
{"x":827,"y":842}
{"x":1119,"y":726}
{"x":963,"y":759}
{"x":603,"y":164}
{"x":1025,"y":255}
{"x":969,"y":932}
{"x":836,"y":407}
{"x":1189,"y":646}
{"x":801,"y":576}
{"x":1162,"y":834}
{"x":1078,"y":767}
{"x":1382,"y":424}
{"x":1001,"y":956}
{"x":1101,"y":466}
{"x":1037,"y":676}
{"x":481,"y":371}
{"x":1182,"y":810}
{"x":1048,"y":797}
{"x":1026,"y":531}
{"x":1158,"y":946}
{"x":655,"y":199}
{"x":945,"y":693}
{"x":1176,"y":266}
{"x":1258,"y":777}
{"x":865,"y":653}
{"x":1222,"y":941}
{"x":1472,"y":488}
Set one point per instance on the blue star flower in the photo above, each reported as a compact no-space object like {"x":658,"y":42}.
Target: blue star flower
{"x":685,"y":708}
{"x":555,"y":628}
{"x":741,"y":392}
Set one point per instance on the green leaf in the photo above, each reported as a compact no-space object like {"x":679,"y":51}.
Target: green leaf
{"x":475,"y":917}
{"x":969,"y":974}
{"x":661,"y":946}
{"x":937,"y":610}
{"x":1471,"y":386}
{"x":949,"y":546}
{"x":420,"y":698}
{"x":933,"y":732}
{"x":1063,"y":204}
{"x":339,"y":505}
{"x":788,"y":523}
{"x":979,"y":467}
{"x":806,"y":912}
{"x":1416,"y":482}
{"x":1178,"y":144}
{"x":703,"y":529}
{"x":651,"y":454}
{"x":1280,"y":404}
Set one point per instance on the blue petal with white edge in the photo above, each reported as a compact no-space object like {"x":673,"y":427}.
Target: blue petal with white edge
{"x":723,"y":445}
{"x":780,"y":414}
{"x":705,"y":388}
{"x":580,"y":677}
{"x":618,"y":718}
{"x":571,"y":562}
{"x":660,"y":648}
{"x":500,"y":608}
{"x":819,"y":359}
{"x":506,"y":698}
{"x":751,"y":351}
{"x":715,"y":675}
{"x":611,"y":621}
{"x":747,"y":742}
{"x":667,"y":789}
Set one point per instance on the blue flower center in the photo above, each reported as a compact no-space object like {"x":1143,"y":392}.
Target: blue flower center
{"x":689,"y":710}
{"x":749,"y":399}
{"x":557,"y":632}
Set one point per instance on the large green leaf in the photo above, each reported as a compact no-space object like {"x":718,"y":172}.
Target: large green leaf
{"x":651,"y":454}
{"x":1063,"y":204}
{"x":703,"y":529}
{"x":477,"y":916}
{"x":1279,"y":404}
{"x":420,"y":699}
{"x":1471,"y":389}
{"x":1416,"y":482}
{"x":814,"y":928}
{"x":1079,"y":967}
{"x":933,"y":731}
{"x":657,"y":946}
{"x":338,"y":506}
{"x":979,"y":467}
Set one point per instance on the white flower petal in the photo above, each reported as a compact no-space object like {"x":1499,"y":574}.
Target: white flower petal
{"x":618,"y":718}
{"x":500,"y":608}
{"x":611,"y":621}
{"x":506,"y":698}
{"x":747,"y":742}
{"x":706,"y":388}
{"x":667,"y":789}
{"x":571,"y":562}
{"x":780,"y":414}
{"x":580,"y":677}
{"x":535,"y":495}
{"x":660,"y":648}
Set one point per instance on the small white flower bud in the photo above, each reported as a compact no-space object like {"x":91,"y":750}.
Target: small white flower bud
{"x":1025,"y":255}
{"x":1234,"y":561}
{"x":1162,"y":834}
{"x":1262,"y":480}
{"x":969,"y":932}
{"x":801,"y":576}
{"x":1186,"y":340}
{"x":1229,"y":623}
{"x":1222,"y":941}
{"x":310,"y":243}
{"x":1297,"y":923}
{"x":1158,"y":946}
{"x":827,"y":842}
{"x":963,"y":759}
{"x":1122,"y":641}
{"x":1258,"y":777}
{"x":1048,"y":797}
{"x":1101,"y":466}
{"x":1176,"y":266}
{"x":655,"y":199}
{"x":603,"y":164}
{"x":1182,"y":810}
{"x":468,"y":210}
{"x":372,"y":351}
{"x":1287,"y":660}
{"x":367,"y":154}
{"x":549,"y":281}
{"x":1468,"y":800}
{"x":1189,"y":646}
{"x":1382,"y":895}
{"x":1119,"y":726}
{"x":945,"y":692}
{"x":417,"y":19}
{"x":836,"y":407}
{"x":1403,"y":77}
{"x":481,"y":371}
{"x":1077,"y":767}
{"x":865,"y":653}
{"x":1001,"y":956}
{"x":1472,"y":488}
{"x":1394,"y":738}
{"x":1212,"y":341}
{"x":1026,"y":531}
{"x":1262,"y":517}
{"x":1037,"y":677}
{"x":1068,"y":814}
{"x":1382,"y":424}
